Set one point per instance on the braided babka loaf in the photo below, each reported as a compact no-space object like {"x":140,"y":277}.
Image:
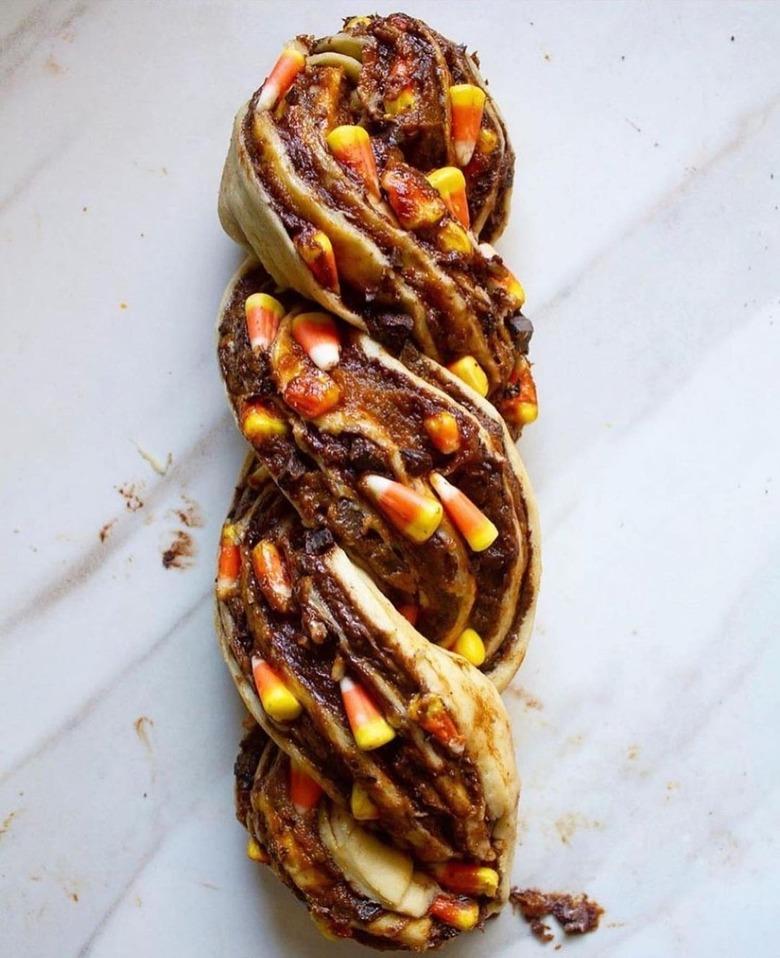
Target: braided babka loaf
{"x":380,"y":563}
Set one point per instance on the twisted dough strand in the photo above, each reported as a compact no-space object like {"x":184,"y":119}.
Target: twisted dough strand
{"x":384,"y":518}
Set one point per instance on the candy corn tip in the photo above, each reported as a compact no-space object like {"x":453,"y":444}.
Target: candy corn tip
{"x":470,"y":645}
{"x":376,"y":485}
{"x":463,"y":153}
{"x":266,"y":98}
{"x":325,"y":356}
{"x":528,"y":412}
{"x":255,"y":852}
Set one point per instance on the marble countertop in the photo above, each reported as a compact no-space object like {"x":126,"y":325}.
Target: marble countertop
{"x":645,"y":228}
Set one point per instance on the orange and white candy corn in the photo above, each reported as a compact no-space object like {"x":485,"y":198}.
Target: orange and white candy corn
{"x":469,"y":370}
{"x":414,"y":201}
{"x":260,"y":422}
{"x":415,"y":515}
{"x":457,"y":912}
{"x":431,"y":714}
{"x":467,"y":103}
{"x":472,"y":523}
{"x":452,"y":238}
{"x":443,"y":431}
{"x":521,"y":406}
{"x":467,"y":879}
{"x":312,"y":394}
{"x":305,"y":792}
{"x":263,"y":314}
{"x":318,"y":336}
{"x":410,"y":612}
{"x":450,"y":183}
{"x":229,"y":562}
{"x":504,"y":278}
{"x":272,"y":575}
{"x":316,"y":250}
{"x":469,"y":644}
{"x":369,"y":727}
{"x":280,"y":79}
{"x":351,"y":145}
{"x":361,"y":806}
{"x":277,"y":700}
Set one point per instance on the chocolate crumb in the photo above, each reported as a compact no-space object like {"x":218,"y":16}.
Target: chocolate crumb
{"x":129,"y":492}
{"x":105,"y":530}
{"x":189,"y":514}
{"x":576,"y":914}
{"x":180,"y":552}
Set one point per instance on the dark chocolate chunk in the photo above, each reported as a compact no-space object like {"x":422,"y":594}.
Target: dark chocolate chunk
{"x":366,"y":456}
{"x":391,"y":329}
{"x":417,"y":461}
{"x":317,"y":541}
{"x":522,"y":329}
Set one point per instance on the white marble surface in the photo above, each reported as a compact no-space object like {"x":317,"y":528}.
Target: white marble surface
{"x":645,"y":228}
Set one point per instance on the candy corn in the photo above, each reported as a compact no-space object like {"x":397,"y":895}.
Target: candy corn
{"x":318,"y":335}
{"x":466,"y":104}
{"x":312,"y":393}
{"x":450,"y":184}
{"x":457,"y":912}
{"x":316,"y":250}
{"x":263,"y":314}
{"x":469,"y":370}
{"x":442,"y":429}
{"x":351,"y":145}
{"x":260,"y":422}
{"x":503,"y":278}
{"x":401,"y":103}
{"x":513,"y":288}
{"x":305,"y":792}
{"x":469,"y":644}
{"x":361,"y":806}
{"x":256,"y":853}
{"x":467,"y":879}
{"x":368,"y":726}
{"x":277,"y":700}
{"x":229,"y":562}
{"x":414,"y":201}
{"x":486,"y":141}
{"x":521,"y":406}
{"x":473,"y":525}
{"x":452,"y":238}
{"x":410,"y":612}
{"x":431,"y":714}
{"x":272,"y":575}
{"x":281,"y":78}
{"x":415,"y":515}
{"x":398,"y":77}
